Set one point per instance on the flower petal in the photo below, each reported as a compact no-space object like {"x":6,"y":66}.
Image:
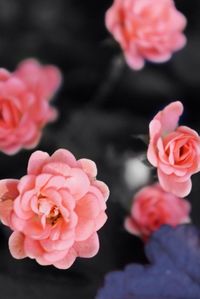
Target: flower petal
{"x":16,"y":245}
{"x":67,"y":261}
{"x":78,"y":183}
{"x":89,"y":247}
{"x":36,"y":162}
{"x":8,"y":189}
{"x":169,"y":116}
{"x":89,"y":167}
{"x":64,"y":156}
{"x":84,"y":229}
{"x":32,"y":248}
{"x":169,"y":184}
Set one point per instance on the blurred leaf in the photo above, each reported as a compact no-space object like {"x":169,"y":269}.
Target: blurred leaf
{"x":174,"y":272}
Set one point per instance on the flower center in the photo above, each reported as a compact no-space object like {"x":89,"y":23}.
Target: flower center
{"x":48,"y":211}
{"x":53,"y":216}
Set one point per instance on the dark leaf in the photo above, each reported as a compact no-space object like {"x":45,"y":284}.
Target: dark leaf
{"x":174,"y":272}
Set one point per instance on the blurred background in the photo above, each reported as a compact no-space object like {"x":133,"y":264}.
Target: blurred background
{"x":101,"y":113}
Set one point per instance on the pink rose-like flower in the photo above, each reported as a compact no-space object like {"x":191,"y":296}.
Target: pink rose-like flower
{"x":174,"y":150}
{"x":43,"y":81}
{"x":23,"y":113}
{"x":146,"y":29}
{"x":58,"y":209}
{"x":153,"y":207}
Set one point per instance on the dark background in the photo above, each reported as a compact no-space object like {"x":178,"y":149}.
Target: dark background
{"x":97,"y":121}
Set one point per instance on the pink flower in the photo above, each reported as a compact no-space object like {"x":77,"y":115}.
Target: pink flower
{"x":24,"y":106}
{"x":43,"y":81}
{"x":146,"y":29}
{"x":175,"y":151}
{"x":58,"y":209}
{"x":153,"y":207}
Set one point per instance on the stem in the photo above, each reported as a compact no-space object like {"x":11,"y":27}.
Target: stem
{"x":111,"y":78}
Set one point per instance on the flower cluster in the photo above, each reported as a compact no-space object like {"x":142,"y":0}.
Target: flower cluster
{"x":55,"y":210}
{"x":146,"y":29}
{"x":24,"y":104}
{"x":157,"y":216}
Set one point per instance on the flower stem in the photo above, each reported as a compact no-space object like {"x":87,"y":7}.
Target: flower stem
{"x":111,"y":78}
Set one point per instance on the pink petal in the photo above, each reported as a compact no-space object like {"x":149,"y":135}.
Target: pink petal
{"x":89,"y":167}
{"x":95,"y":191}
{"x":169,"y":117}
{"x":17,"y":223}
{"x":6,"y":208}
{"x":35,"y":230}
{"x":27,"y":182}
{"x":8,"y":189}
{"x":78,"y":183}
{"x":89,"y":247}
{"x":55,"y":256}
{"x":50,"y":245}
{"x":56,"y":182}
{"x":134,"y":59}
{"x":33,"y":141}
{"x":42,"y":261}
{"x":19,"y":211}
{"x":169,"y":184}
{"x":4,"y":74}
{"x":14,"y":87}
{"x":36,"y":162}
{"x":57,"y":168}
{"x":42,"y":180}
{"x":157,"y":57}
{"x":88,"y":207}
{"x":16,"y":245}
{"x":54,"y":78}
{"x":131,"y":227}
{"x":67,"y":199}
{"x":84,"y":229}
{"x":179,"y":41}
{"x":100,"y":220}
{"x":103,"y":188}
{"x":188,"y":131}
{"x":32,"y":248}
{"x":154,"y":132}
{"x":67,"y":261}
{"x":167,"y":169}
{"x":64,"y":156}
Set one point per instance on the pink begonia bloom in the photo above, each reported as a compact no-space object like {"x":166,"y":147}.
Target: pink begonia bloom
{"x":43,"y":81}
{"x":153,"y":207}
{"x":174,"y":150}
{"x":56,"y":210}
{"x":24,"y":110}
{"x":146,"y":29}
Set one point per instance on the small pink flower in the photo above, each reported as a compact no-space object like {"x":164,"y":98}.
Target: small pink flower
{"x":175,"y":151}
{"x":58,"y":209}
{"x":24,"y":106}
{"x":43,"y":81}
{"x":153,"y":207}
{"x":146,"y":29}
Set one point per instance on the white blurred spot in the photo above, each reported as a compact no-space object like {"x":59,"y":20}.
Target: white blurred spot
{"x":136,"y":173}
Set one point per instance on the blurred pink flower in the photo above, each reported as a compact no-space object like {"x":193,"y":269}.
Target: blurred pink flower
{"x":24,"y":106}
{"x":175,"y":151}
{"x":146,"y":29}
{"x":153,"y":207}
{"x":58,"y":209}
{"x":43,"y":81}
